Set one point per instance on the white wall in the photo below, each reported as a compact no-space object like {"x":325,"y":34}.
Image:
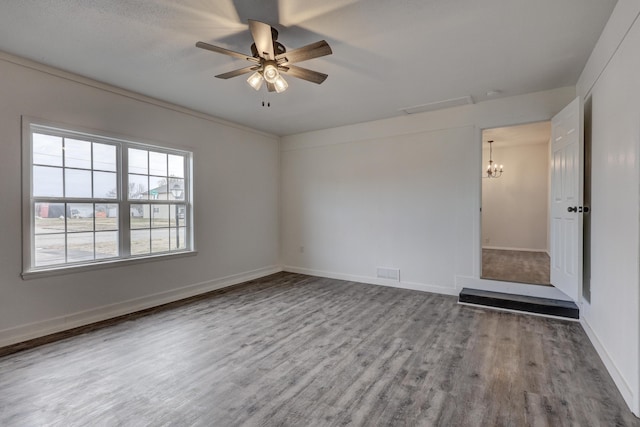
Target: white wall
{"x":401,"y":193}
{"x":357,"y":206}
{"x":612,"y":319}
{"x":236,"y":174}
{"x":515,"y":206}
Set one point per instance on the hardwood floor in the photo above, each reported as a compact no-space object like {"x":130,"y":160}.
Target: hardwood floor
{"x":294,"y":350}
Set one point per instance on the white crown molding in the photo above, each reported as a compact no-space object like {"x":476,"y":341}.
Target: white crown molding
{"x":27,"y":63}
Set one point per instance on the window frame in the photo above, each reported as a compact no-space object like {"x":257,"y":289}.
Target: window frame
{"x":122,"y":144}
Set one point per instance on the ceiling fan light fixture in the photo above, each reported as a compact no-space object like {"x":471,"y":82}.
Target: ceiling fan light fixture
{"x":255,"y":80}
{"x":280,"y":84}
{"x":269,"y":58}
{"x":270,"y":73}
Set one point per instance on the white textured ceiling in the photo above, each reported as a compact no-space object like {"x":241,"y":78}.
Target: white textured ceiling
{"x":387,"y":55}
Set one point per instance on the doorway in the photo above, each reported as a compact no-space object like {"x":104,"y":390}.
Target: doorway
{"x":515,"y":204}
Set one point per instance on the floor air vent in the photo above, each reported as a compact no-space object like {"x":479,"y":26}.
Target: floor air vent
{"x":388,"y":273}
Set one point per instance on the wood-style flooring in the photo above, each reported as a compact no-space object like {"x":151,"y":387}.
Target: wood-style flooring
{"x":294,"y":350}
{"x":516,"y":266}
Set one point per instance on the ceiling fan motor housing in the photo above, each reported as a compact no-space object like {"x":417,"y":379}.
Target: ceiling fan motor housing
{"x":278,"y":49}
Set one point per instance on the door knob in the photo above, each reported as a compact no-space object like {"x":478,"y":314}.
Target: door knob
{"x":572,"y":209}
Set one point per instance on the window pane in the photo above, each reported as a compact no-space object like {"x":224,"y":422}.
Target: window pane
{"x":79,"y":247}
{"x":106,"y":244}
{"x":140,"y":242}
{"x":140,"y":216}
{"x":182,"y":211}
{"x":159,"y":216}
{"x":49,"y":249}
{"x":138,"y":185}
{"x":157,"y":163}
{"x":106,"y":217}
{"x":47,"y":218}
{"x":176,"y":166}
{"x":104,"y":157}
{"x":80,"y":217}
{"x":77,"y":154}
{"x":77,"y":183}
{"x":105,"y":185}
{"x":160,"y":240}
{"x":47,"y":181}
{"x":176,"y":184}
{"x":158,"y":185}
{"x":47,"y":150}
{"x":80,"y":210}
{"x":178,"y":238}
{"x":138,"y":161}
{"x":75,"y":172}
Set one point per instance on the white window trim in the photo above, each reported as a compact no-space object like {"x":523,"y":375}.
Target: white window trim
{"x":30,"y":272}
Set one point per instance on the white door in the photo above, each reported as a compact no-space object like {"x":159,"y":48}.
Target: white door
{"x":566,"y":196}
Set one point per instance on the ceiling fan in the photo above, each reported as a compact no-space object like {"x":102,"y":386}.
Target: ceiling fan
{"x":270,"y":59}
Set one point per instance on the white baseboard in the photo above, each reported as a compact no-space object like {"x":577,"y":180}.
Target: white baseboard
{"x":504,"y":248}
{"x":373,"y":280}
{"x":82,"y":318}
{"x":618,"y":378}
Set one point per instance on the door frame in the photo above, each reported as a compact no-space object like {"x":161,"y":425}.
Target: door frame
{"x":477,"y":282}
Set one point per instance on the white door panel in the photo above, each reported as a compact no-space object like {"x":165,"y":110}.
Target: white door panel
{"x":566,"y":190}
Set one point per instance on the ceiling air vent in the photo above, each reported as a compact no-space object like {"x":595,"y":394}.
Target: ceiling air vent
{"x":439,"y":105}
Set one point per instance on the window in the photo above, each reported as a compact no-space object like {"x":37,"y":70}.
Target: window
{"x":93,"y":199}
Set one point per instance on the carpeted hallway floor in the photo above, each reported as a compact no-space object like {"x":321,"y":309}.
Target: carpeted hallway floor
{"x":516,"y":266}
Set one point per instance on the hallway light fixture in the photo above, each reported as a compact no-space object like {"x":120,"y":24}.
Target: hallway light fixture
{"x":493,"y":171}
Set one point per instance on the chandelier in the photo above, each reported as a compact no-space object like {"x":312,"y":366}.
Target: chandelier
{"x":493,"y":170}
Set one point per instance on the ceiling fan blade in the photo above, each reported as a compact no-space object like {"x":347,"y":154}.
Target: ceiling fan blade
{"x":313,"y":50}
{"x":303,"y":73}
{"x":239,"y":72}
{"x":218,"y":49}
{"x":271,"y":87}
{"x":261,"y":33}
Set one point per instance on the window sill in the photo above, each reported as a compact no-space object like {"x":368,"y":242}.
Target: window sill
{"x":80,"y":268}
